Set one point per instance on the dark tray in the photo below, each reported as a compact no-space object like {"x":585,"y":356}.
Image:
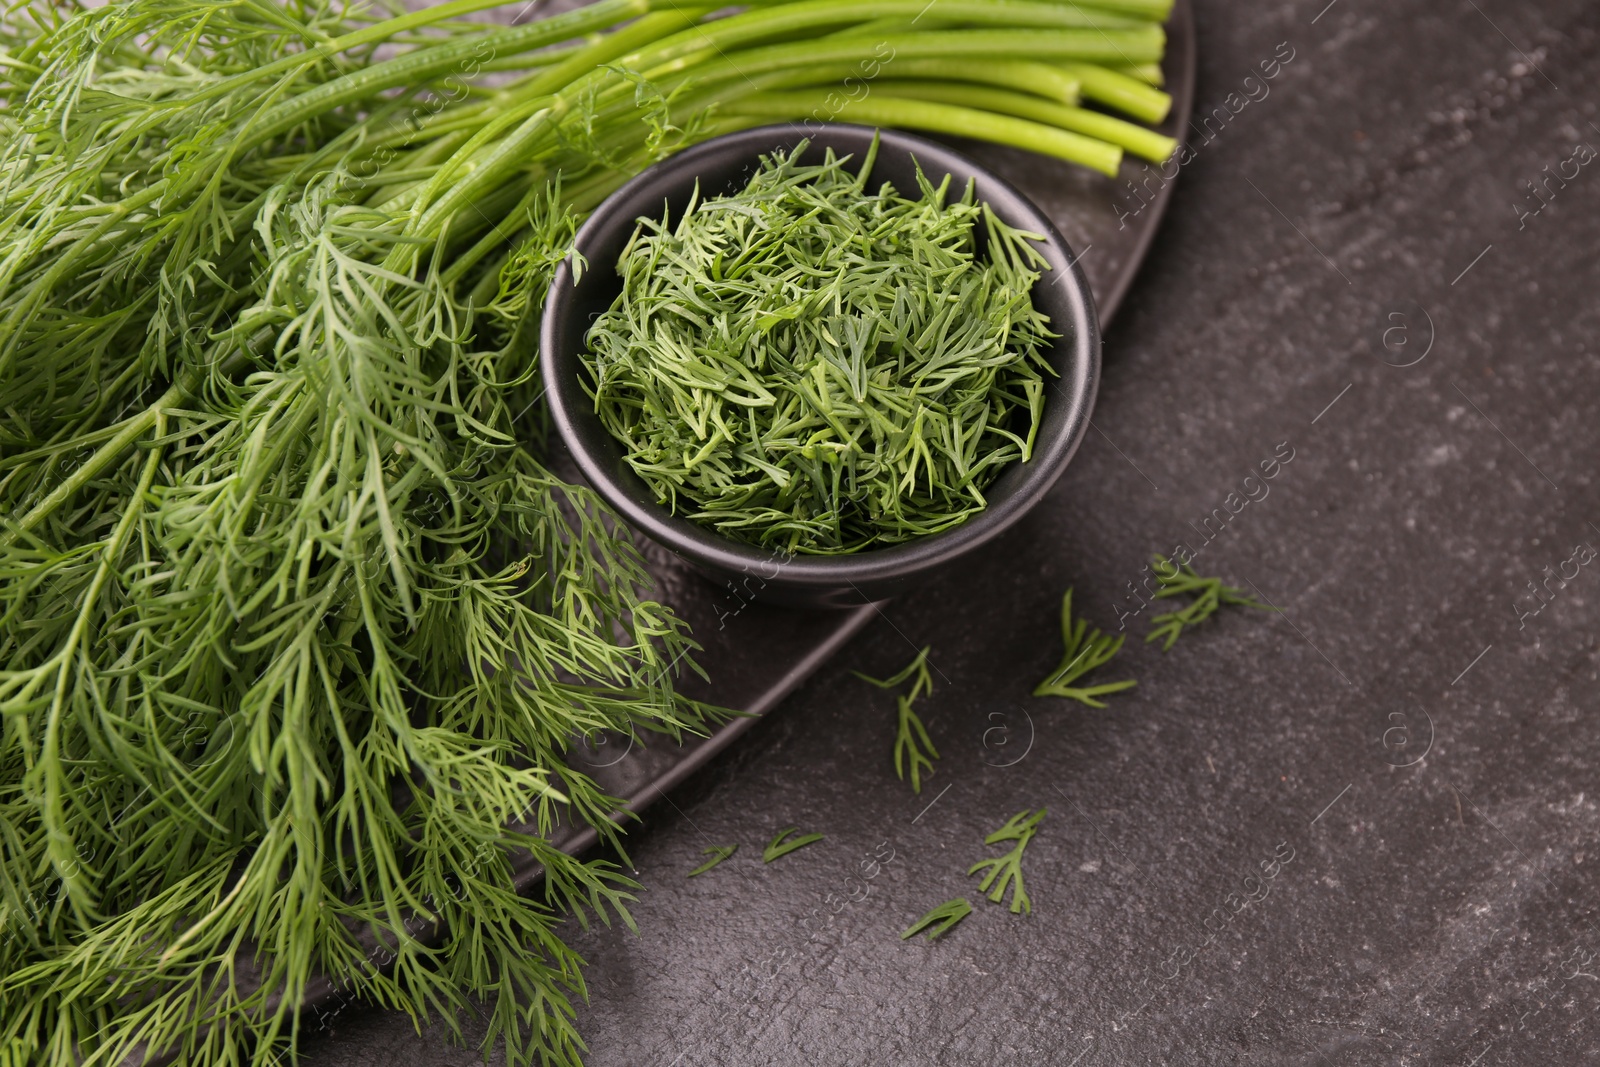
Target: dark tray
{"x":755,"y":654}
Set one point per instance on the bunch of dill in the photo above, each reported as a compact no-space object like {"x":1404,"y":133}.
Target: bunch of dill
{"x":296,"y":625}
{"x":814,"y":367}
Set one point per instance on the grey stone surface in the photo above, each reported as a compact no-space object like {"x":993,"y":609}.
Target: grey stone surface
{"x":1432,"y":912}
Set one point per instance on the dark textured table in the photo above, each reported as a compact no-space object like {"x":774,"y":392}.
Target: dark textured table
{"x":1355,"y":271}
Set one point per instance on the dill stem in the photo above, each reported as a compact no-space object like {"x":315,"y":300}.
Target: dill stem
{"x":105,"y":456}
{"x":581,"y":197}
{"x":645,"y":31}
{"x":425,"y":63}
{"x":561,"y":84}
{"x":543,"y":83}
{"x":58,"y":841}
{"x":1135,"y":45}
{"x":807,"y":15}
{"x":698,"y":57}
{"x":70,"y":261}
{"x":1154,"y":10}
{"x":502,"y":159}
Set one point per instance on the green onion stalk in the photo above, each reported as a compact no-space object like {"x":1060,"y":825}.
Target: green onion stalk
{"x":297,"y":627}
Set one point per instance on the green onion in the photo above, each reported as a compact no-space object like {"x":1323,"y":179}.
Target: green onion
{"x":940,"y":118}
{"x":1023,"y":76}
{"x":1126,"y":94}
{"x":1136,"y":139}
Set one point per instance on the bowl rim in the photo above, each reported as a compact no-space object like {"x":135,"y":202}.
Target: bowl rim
{"x":1076,"y":386}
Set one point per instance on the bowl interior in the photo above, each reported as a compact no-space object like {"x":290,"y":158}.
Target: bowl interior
{"x":726,"y":165}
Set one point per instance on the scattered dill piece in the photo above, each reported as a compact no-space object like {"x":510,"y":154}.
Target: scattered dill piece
{"x":1085,"y":649}
{"x":816,"y":367}
{"x":908,"y":733}
{"x":1006,"y":871}
{"x":917,"y":667}
{"x":941,"y":919}
{"x":1209,"y":593}
{"x":913,"y":749}
{"x":778,"y":847}
{"x":718,"y":853}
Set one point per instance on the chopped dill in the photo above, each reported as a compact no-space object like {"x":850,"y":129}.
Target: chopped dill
{"x":940,"y":920}
{"x":913,"y":749}
{"x":1006,"y":871}
{"x":718,"y":853}
{"x":814,"y":367}
{"x":1084,"y":649}
{"x":1209,"y":595}
{"x":779,"y":847}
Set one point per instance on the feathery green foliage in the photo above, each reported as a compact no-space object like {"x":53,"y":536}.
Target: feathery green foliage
{"x":1084,"y":649}
{"x":1006,"y":871}
{"x":940,"y":920}
{"x":718,"y":853}
{"x":913,"y":749}
{"x":812,"y":366}
{"x":296,"y":625}
{"x":783,"y":844}
{"x":1209,"y":595}
{"x":297,"y":631}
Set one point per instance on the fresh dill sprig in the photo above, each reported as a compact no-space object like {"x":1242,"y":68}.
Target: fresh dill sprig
{"x":941,"y":919}
{"x":1084,"y":649}
{"x":718,"y":853}
{"x":1209,"y":595}
{"x":908,"y":733}
{"x":778,"y":847}
{"x":815,"y":367}
{"x":913,"y":749}
{"x":297,"y":625}
{"x":917,"y":667}
{"x":1006,"y":871}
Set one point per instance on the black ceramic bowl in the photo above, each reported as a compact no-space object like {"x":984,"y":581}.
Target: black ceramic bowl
{"x":725,"y":165}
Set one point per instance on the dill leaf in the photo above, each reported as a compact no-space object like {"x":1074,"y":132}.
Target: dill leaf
{"x":1005,"y":872}
{"x":940,"y":920}
{"x":778,"y":847}
{"x":1209,"y":595}
{"x":913,"y":749}
{"x":718,"y":853}
{"x":1084,"y":649}
{"x":298,"y":626}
